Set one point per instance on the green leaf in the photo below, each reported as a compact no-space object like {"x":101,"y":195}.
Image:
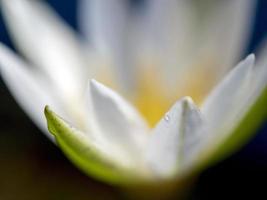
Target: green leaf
{"x":85,"y":154}
{"x":240,"y":135}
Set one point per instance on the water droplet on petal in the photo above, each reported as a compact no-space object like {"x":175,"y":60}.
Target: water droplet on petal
{"x":167,"y":117}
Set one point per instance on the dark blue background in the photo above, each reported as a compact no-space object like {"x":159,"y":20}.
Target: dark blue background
{"x":240,"y":175}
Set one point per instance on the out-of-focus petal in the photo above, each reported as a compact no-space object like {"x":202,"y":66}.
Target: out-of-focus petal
{"x":49,"y":43}
{"x":228,"y":29}
{"x":91,"y":157}
{"x":220,"y":107}
{"x":103,"y":23}
{"x":169,"y":27}
{"x":170,"y":140}
{"x":27,"y":87}
{"x":119,"y":123}
{"x":207,"y":35}
{"x":109,"y":27}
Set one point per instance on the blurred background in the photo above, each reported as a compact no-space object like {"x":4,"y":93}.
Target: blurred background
{"x":31,"y":167}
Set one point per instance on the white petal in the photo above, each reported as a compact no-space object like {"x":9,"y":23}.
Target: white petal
{"x":228,"y":30}
{"x":103,"y":22}
{"x":27,"y":88}
{"x":239,"y":120}
{"x":195,"y":133}
{"x":220,"y":106}
{"x":188,"y":34}
{"x":171,"y":140}
{"x":119,"y":123}
{"x":170,"y":31}
{"x":49,"y":43}
{"x":108,"y":26}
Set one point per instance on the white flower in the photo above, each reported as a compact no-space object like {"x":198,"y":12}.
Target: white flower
{"x":153,"y":56}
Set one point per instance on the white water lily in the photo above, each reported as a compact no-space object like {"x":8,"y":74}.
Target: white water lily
{"x":153,"y":56}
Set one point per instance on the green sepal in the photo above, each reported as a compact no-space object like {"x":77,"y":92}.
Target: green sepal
{"x":85,"y":155}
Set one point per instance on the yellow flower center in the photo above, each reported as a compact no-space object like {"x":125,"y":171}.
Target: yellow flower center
{"x":152,"y":96}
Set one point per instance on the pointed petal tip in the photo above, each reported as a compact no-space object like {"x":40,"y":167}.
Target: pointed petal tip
{"x":50,"y":120}
{"x":96,"y":87}
{"x":187,"y":103}
{"x":187,"y":100}
{"x":190,"y":104}
{"x":51,"y":114}
{"x":94,"y":83}
{"x":245,"y":66}
{"x":250,"y":59}
{"x":47,"y":110}
{"x":54,"y":121}
{"x":183,"y":100}
{"x":251,"y":56}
